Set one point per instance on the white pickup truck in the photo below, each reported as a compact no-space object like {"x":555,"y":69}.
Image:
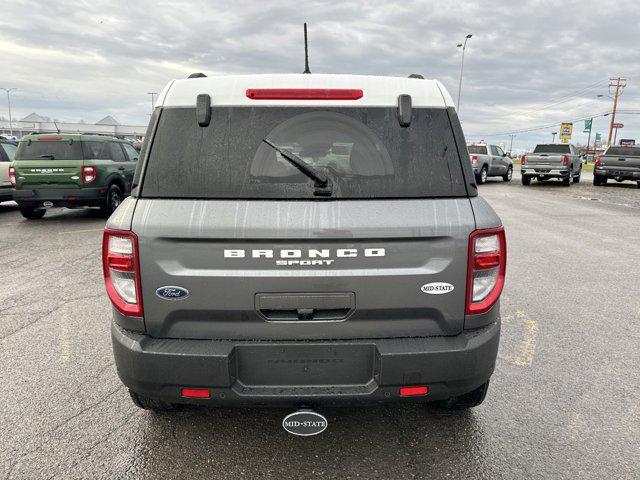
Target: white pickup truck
{"x":556,"y":160}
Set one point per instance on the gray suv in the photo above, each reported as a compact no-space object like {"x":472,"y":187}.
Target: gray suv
{"x":304,"y":240}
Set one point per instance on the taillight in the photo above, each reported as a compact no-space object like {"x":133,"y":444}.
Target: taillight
{"x":597,"y":164}
{"x":12,"y":175}
{"x":474,"y":160}
{"x":88,"y":174}
{"x":486,"y":269}
{"x":122,"y":271}
{"x":565,"y":160}
{"x":303,"y":94}
{"x":522,"y":159}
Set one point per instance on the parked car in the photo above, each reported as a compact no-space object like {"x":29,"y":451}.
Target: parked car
{"x":490,"y":161}
{"x":619,"y":163}
{"x":308,"y":240}
{"x":7,"y":153}
{"x":71,"y":170}
{"x":556,"y":160}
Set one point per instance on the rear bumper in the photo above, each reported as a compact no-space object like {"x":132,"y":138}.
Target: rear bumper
{"x":61,"y":197}
{"x":546,"y":171}
{"x":6,"y":193}
{"x":613,"y":173}
{"x":305,"y":373}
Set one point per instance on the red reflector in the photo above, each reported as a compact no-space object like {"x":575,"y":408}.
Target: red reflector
{"x":196,"y":393}
{"x":48,"y":139}
{"x":123,"y":263}
{"x":303,"y":94}
{"x":72,"y":198}
{"x":413,"y":391}
{"x":487,"y":260}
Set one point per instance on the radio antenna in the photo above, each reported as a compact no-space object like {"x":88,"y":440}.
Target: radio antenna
{"x":306,"y":51}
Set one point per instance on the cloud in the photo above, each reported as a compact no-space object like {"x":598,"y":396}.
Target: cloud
{"x":73,"y":60}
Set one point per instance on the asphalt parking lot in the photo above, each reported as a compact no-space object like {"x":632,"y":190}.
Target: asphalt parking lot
{"x":563,"y":402}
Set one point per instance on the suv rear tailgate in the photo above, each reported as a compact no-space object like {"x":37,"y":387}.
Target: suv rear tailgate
{"x":48,"y":173}
{"x":380,"y":253}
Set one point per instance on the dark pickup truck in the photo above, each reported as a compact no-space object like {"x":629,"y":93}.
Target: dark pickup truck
{"x":618,"y":162}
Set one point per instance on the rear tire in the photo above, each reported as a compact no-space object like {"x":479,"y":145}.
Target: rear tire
{"x":566,"y":182}
{"x":576,"y":179}
{"x":638,"y":184}
{"x":481,"y":178}
{"x":152,"y":404}
{"x":32,"y":213}
{"x":526,"y":180}
{"x":509,"y":175}
{"x":599,"y":181}
{"x":113,"y":200}
{"x":468,"y":400}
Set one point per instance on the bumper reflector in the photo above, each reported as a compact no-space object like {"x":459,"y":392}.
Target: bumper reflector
{"x":413,"y":391}
{"x":195,"y":393}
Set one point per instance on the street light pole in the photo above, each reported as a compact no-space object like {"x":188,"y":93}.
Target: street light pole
{"x":152,"y":102}
{"x":464,"y":47}
{"x":554,"y":137}
{"x":586,"y":154}
{"x":9,"y":90}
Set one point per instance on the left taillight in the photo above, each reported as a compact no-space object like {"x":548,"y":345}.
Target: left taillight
{"x":565,"y":160}
{"x":486,"y":269}
{"x":12,"y":176}
{"x":88,"y":174}
{"x":122,"y":271}
{"x":474,"y":160}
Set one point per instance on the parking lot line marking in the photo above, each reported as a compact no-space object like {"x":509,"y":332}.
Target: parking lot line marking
{"x":65,"y":232}
{"x":527,"y":347}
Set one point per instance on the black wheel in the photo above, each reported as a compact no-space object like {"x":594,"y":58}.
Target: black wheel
{"x":509,"y":175}
{"x":113,"y":200}
{"x":482,"y":176}
{"x":468,"y":400}
{"x":566,"y":181}
{"x":598,"y":181}
{"x":526,"y":180}
{"x":32,"y":213}
{"x":638,"y":184}
{"x":576,"y":179}
{"x":152,"y":404}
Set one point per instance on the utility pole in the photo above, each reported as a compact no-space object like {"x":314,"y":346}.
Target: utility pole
{"x":9,"y":90}
{"x":511,"y":142}
{"x":620,"y":84}
{"x":152,"y":102}
{"x":586,"y":154}
{"x":464,"y":47}
{"x":554,"y":137}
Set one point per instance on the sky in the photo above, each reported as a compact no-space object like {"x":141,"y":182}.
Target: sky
{"x":528,"y":64}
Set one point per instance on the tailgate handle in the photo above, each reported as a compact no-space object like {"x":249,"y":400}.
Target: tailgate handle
{"x":291,"y":307}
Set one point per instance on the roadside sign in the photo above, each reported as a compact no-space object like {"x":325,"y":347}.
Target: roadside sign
{"x":618,"y":125}
{"x":587,"y":126}
{"x":598,"y":137}
{"x":628,"y":142}
{"x":566,"y":129}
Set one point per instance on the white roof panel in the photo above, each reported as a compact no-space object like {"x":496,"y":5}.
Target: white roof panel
{"x":377,"y":91}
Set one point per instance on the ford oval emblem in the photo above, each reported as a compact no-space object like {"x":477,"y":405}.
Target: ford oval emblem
{"x":437,"y":288}
{"x":172,"y":293}
{"x":304,"y":423}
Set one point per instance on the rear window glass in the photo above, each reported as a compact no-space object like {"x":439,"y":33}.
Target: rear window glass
{"x":553,"y":148}
{"x":624,"y":151}
{"x":49,"y":150}
{"x":477,"y":149}
{"x":362,"y":151}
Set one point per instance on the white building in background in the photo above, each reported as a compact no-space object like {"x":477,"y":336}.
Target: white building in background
{"x":37,"y":123}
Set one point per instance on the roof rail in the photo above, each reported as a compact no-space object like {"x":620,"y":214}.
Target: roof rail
{"x":197,"y":75}
{"x":416,"y":75}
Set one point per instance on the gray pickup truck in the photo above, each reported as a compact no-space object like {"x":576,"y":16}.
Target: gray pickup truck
{"x":556,"y":160}
{"x":489,"y":161}
{"x":323,"y":243}
{"x":619,"y":163}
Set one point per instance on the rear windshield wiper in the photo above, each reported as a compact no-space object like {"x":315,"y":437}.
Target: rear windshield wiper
{"x":49,"y":156}
{"x":321,"y":180}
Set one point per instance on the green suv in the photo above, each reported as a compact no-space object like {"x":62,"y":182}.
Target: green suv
{"x":71,"y":170}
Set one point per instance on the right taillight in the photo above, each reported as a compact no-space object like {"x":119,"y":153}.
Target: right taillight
{"x":565,"y":160}
{"x":486,"y":269}
{"x":474,"y":160}
{"x":88,"y":174}
{"x":12,"y":176}
{"x":121,"y":271}
{"x":522,"y":159}
{"x":597,"y":164}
